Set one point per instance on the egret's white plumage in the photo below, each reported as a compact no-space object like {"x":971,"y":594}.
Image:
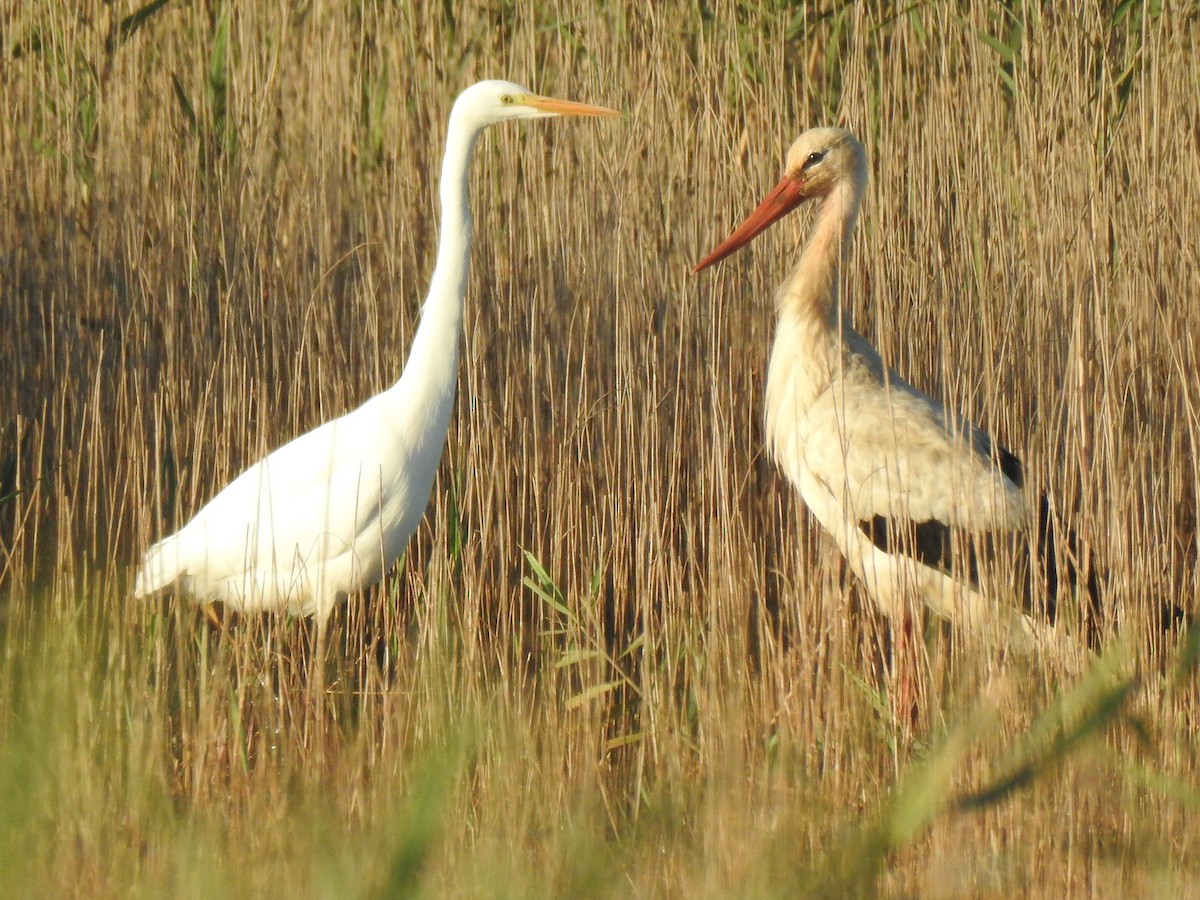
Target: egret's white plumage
{"x":329,"y":512}
{"x":911,"y":493}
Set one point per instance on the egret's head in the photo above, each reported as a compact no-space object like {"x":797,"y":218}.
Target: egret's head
{"x":490,"y":102}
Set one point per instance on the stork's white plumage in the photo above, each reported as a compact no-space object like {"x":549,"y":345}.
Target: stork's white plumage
{"x":328,"y":513}
{"x":913,"y":495}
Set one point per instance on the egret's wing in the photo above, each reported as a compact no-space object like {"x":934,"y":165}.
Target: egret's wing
{"x":301,"y":504}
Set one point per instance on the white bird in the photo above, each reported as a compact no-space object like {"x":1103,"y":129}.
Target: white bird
{"x":914,"y":496}
{"x":329,"y":512}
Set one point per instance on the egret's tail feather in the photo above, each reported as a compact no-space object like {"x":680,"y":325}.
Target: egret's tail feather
{"x":160,"y":569}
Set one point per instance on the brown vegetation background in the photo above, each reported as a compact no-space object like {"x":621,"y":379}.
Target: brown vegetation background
{"x":619,"y":657}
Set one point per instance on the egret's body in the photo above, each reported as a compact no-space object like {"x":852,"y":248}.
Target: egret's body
{"x":329,"y":512}
{"x":913,"y":495}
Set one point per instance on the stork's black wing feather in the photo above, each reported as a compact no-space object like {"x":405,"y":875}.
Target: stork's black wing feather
{"x":1045,"y":563}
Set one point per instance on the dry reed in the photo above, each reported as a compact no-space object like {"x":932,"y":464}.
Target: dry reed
{"x":218,"y":224}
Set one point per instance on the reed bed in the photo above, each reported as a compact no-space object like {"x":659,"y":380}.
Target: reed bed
{"x":619,"y":658}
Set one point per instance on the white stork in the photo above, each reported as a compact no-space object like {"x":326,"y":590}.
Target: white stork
{"x":913,"y":495}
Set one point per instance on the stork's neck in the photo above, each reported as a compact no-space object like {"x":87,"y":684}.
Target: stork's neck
{"x":809,"y":295}
{"x":433,"y":359}
{"x":809,"y":343}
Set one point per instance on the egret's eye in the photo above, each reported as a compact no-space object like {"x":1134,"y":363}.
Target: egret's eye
{"x":813,"y":159}
{"x":506,"y":99}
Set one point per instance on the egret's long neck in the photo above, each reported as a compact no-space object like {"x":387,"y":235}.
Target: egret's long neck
{"x":432,"y":368}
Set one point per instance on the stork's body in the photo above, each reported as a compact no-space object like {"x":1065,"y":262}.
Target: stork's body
{"x":329,"y":512}
{"x":911,"y":494}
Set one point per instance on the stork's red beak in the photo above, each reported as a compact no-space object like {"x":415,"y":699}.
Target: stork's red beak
{"x":784,"y":197}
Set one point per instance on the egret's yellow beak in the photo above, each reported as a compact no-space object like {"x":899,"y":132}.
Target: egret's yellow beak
{"x":553,"y":107}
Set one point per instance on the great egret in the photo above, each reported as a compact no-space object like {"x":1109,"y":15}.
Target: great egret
{"x":329,"y":512}
{"x":913,"y":495}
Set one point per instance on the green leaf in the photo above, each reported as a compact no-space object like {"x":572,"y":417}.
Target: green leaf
{"x":546,"y":597}
{"x":623,"y":741}
{"x":1182,"y":792}
{"x":130,"y":24}
{"x":594,"y":692}
{"x":574,"y":657}
{"x":1189,"y":656}
{"x":185,"y":104}
{"x":634,"y":645}
{"x":1007,"y":53}
{"x":1092,"y":704}
{"x":538,"y":570}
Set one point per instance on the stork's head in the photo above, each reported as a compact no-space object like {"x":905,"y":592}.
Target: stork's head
{"x":818,"y":162}
{"x":489,"y":102}
{"x":822,"y":158}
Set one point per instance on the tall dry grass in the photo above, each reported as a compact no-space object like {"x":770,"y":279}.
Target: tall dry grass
{"x":619,"y":657}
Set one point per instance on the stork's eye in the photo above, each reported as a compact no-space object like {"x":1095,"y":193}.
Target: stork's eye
{"x":813,"y":159}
